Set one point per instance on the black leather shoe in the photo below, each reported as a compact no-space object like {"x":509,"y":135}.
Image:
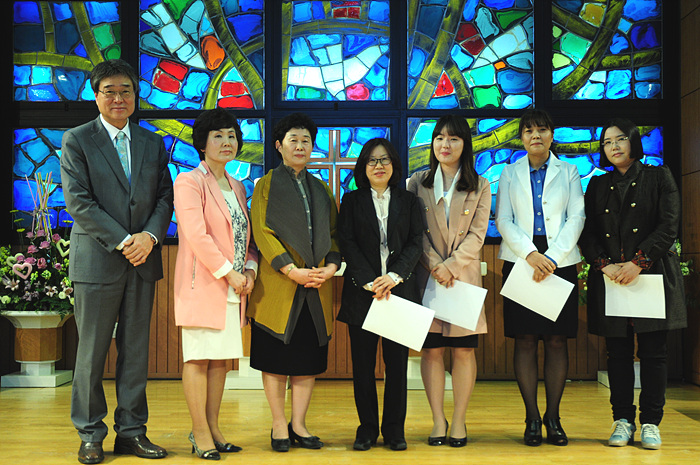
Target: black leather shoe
{"x":226,"y":447}
{"x":397,"y":444}
{"x":459,"y":442}
{"x":439,"y":440}
{"x":140,"y":446}
{"x":533,"y":432}
{"x":91,"y":452}
{"x":363,"y":444}
{"x":555,"y":433}
{"x":280,"y":445}
{"x":308,"y":442}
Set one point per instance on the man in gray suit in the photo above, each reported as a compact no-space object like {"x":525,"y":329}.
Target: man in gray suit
{"x":119,"y":192}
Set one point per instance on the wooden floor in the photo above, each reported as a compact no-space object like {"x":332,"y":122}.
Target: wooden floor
{"x":35,"y":428}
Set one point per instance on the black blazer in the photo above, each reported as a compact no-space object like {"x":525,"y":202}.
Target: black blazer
{"x":646,"y":219}
{"x":358,"y":238}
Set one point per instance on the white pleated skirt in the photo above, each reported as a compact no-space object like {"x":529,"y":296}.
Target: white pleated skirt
{"x":215,"y":344}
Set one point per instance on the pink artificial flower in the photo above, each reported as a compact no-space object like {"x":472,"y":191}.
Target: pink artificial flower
{"x":30,"y":260}
{"x":32,"y":249}
{"x":44,"y":245}
{"x":58,"y":266}
{"x":41,"y":263}
{"x":19,"y":258}
{"x":30,"y":235}
{"x":40,"y":233}
{"x":55,"y":238}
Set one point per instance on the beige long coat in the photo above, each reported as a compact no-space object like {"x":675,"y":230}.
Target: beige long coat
{"x":459,"y":246}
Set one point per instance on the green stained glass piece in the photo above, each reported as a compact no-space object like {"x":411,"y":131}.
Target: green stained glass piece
{"x":307,"y":93}
{"x":506,"y":18}
{"x":560,"y":61}
{"x":114,"y":52}
{"x":556,"y":32}
{"x":483,"y":76}
{"x":556,"y":46}
{"x":117,"y":32}
{"x":354,"y":150}
{"x":574,"y":46}
{"x":487,"y":96}
{"x":176,"y":7}
{"x":103,"y":36}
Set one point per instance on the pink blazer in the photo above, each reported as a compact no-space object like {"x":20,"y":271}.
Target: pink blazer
{"x":206,"y":247}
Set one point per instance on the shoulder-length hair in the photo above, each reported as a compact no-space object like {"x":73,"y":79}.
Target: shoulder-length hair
{"x":213,"y":120}
{"x":360,"y":172}
{"x":630,"y":130}
{"x":459,"y":127}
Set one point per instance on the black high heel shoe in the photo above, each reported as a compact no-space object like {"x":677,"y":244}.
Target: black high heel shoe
{"x":211,"y":454}
{"x":459,"y":442}
{"x":533,"y":432}
{"x":280,"y":445}
{"x":555,"y":433}
{"x":309,"y":442}
{"x":226,"y":447}
{"x":439,"y":440}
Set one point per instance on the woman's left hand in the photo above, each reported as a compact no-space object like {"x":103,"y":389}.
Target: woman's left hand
{"x":249,"y":282}
{"x":318,"y":276}
{"x":627,"y":273}
{"x":382,"y":286}
{"x":443,"y":275}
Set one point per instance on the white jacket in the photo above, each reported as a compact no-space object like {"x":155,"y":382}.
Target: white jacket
{"x":562,"y":206}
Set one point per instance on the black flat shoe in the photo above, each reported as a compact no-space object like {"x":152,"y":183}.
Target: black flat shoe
{"x":459,"y":442}
{"x":439,"y":440}
{"x":555,"y":433}
{"x":280,"y":445}
{"x":226,"y":447}
{"x":211,"y":454}
{"x":397,"y":444}
{"x":363,"y":444}
{"x":533,"y":432}
{"x":308,"y":442}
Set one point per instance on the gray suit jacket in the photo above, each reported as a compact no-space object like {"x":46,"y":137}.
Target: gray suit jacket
{"x":105,"y":207}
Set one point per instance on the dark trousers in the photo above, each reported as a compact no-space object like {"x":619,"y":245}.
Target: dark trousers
{"x":651,"y":350}
{"x":363,"y":345}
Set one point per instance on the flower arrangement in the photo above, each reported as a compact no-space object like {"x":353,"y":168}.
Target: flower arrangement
{"x":36,"y":278}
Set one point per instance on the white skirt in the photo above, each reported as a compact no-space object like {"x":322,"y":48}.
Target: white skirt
{"x":214,"y":344}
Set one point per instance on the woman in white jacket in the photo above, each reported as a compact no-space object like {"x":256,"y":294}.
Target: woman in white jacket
{"x":540,"y":215}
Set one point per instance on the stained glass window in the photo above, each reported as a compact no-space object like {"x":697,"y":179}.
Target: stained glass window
{"x":201,"y":54}
{"x":606,"y":49}
{"x":496,"y":143}
{"x":476,"y":56}
{"x":56,"y":45}
{"x":335,"y":50}
{"x":177,"y":135}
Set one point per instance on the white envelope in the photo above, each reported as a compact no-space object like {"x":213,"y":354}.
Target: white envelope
{"x":546,"y":298}
{"x":399,"y":320}
{"x":459,"y":305}
{"x":642,"y":298}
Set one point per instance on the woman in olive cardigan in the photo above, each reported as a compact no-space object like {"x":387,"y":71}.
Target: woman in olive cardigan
{"x":632,"y":218}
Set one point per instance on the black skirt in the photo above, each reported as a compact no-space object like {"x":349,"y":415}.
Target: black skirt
{"x":301,"y":357}
{"x":435,"y":340}
{"x":521,"y":320}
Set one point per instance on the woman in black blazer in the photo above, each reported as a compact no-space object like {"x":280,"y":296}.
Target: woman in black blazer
{"x":380,"y":234}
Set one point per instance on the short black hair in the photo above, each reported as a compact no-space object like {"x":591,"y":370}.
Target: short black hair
{"x":213,"y":120}
{"x":455,"y":126}
{"x":360,"y":173}
{"x":534,"y":118}
{"x":630,"y":130}
{"x":111,"y":68}
{"x":295,"y":120}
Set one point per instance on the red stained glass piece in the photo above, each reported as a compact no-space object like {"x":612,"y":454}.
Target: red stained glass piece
{"x":213,"y":52}
{"x":176,"y":70}
{"x":474,"y":45}
{"x":236,"y":102}
{"x":233,"y":88}
{"x":465,"y":31}
{"x":165,"y":82}
{"x":444,"y":86}
{"x":340,"y":12}
{"x":354,"y":13}
{"x":357,"y":92}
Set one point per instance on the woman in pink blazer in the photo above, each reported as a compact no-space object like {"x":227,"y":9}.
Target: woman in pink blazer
{"x":456,"y":204}
{"x":215,"y":270}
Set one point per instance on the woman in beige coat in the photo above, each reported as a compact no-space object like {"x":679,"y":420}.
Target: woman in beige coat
{"x":456,"y":203}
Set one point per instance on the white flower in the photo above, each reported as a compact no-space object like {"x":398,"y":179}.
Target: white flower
{"x":62,"y":295}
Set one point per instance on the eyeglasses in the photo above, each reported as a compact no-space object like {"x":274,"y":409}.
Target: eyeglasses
{"x":617,"y":142}
{"x":383,"y":161}
{"x":112,"y":94}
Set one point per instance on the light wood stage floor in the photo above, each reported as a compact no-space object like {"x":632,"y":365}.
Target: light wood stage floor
{"x":35,"y":428}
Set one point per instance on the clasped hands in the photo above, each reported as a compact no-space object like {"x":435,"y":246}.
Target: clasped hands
{"x":137,"y":248}
{"x":242,"y":283}
{"x":310,"y":277}
{"x":543,"y":266}
{"x":622,"y":273}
